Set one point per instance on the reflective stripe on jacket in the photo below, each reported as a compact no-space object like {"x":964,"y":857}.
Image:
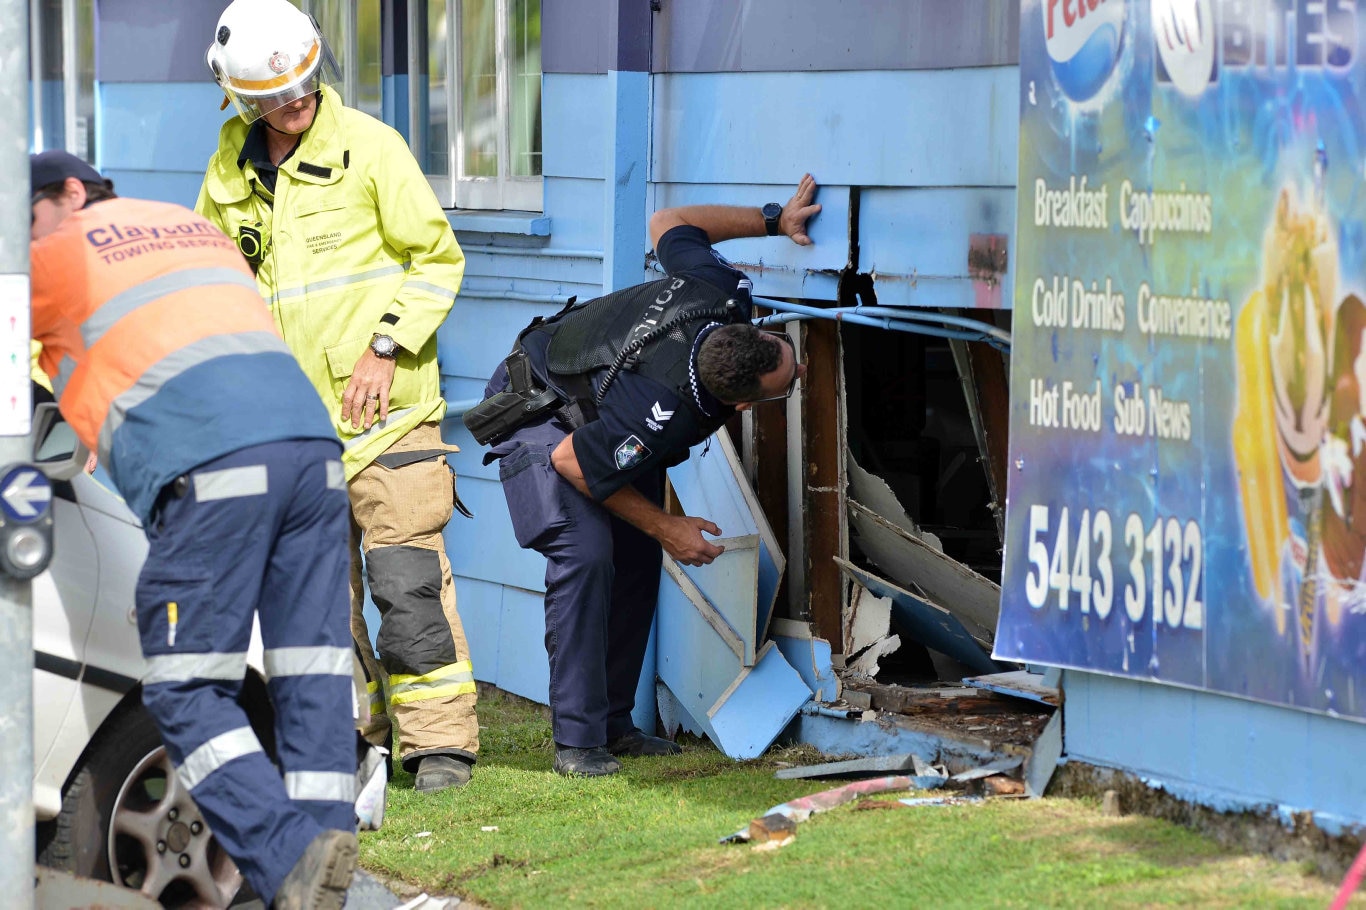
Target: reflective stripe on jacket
{"x":355,"y":243}
{"x":162,"y":352}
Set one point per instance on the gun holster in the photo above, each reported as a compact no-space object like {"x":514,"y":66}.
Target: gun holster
{"x":520,"y":403}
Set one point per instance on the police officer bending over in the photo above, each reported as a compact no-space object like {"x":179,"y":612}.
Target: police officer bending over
{"x":587,"y":413}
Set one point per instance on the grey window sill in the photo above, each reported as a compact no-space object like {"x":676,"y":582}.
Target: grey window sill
{"x":526,"y":224}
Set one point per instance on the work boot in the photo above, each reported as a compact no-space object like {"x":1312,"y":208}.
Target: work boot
{"x":638,"y":742}
{"x":437,"y":772}
{"x":320,"y":878}
{"x":594,"y":762}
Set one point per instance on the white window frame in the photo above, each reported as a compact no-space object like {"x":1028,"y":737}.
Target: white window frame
{"x":501,"y":193}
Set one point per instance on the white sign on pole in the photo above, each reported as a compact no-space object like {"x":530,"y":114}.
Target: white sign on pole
{"x":16,"y":394}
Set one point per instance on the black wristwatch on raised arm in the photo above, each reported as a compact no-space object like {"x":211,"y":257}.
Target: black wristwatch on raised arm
{"x":772,"y":212}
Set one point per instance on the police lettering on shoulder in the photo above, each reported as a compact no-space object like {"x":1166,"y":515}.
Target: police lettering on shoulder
{"x":584,"y":417}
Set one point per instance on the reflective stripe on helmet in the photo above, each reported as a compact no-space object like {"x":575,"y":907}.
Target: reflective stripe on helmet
{"x":281,"y":81}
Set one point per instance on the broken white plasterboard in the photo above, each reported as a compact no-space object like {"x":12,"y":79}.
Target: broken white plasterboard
{"x":867,"y":628}
{"x":877,"y":495}
{"x":810,"y":656}
{"x":742,"y":709}
{"x":866,"y":663}
{"x":867,"y":621}
{"x":712,"y":485}
{"x":911,"y":562}
{"x":924,"y":620}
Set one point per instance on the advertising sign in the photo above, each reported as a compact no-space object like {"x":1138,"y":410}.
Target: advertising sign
{"x":1187,"y":494}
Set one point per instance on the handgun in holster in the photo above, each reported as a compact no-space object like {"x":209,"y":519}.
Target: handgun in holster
{"x":521,"y":402}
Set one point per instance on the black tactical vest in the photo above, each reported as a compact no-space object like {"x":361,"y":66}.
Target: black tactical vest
{"x":649,"y":329}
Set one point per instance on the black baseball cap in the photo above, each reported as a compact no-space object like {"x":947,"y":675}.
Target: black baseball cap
{"x":55,"y":165}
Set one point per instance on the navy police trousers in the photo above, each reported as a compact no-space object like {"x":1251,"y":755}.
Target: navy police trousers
{"x":601,"y":583}
{"x":261,"y":532}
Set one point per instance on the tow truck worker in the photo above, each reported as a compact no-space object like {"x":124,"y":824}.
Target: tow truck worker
{"x":360,"y":267}
{"x":162,"y":353}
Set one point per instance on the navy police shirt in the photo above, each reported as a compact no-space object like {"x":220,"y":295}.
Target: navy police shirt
{"x":642,"y":425}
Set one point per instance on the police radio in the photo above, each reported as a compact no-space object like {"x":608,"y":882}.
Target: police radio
{"x":250,"y":244}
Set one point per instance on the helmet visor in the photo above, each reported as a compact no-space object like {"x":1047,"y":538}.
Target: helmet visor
{"x":281,"y":79}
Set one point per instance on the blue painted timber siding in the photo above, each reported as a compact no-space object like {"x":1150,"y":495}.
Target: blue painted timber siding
{"x":155,"y":139}
{"x":1226,"y":753}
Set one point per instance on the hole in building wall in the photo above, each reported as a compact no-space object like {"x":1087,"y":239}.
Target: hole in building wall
{"x":908,"y":423}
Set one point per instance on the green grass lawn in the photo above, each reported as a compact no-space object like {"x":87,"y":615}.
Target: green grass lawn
{"x":647,"y":837}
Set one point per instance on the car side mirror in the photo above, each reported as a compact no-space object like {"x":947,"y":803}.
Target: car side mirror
{"x":56,"y":450}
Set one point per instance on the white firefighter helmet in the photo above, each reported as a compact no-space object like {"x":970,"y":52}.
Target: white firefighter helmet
{"x":266,"y":54}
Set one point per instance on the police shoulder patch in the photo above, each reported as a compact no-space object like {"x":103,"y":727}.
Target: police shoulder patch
{"x":630,"y":453}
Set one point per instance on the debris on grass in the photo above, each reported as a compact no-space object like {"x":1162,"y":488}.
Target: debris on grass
{"x":878,"y":764}
{"x":802,"y":808}
{"x":940,"y":801}
{"x":772,"y":831}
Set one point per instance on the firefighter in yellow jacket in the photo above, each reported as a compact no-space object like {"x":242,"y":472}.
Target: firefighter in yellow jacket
{"x":355,"y":256}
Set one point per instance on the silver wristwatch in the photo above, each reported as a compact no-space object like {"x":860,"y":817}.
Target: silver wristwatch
{"x":384,"y":346}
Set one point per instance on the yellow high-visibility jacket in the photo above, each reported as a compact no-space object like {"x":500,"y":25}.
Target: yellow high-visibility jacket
{"x":353,"y":243}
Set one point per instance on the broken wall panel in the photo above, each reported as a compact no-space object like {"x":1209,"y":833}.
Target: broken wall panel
{"x":728,"y":586}
{"x":926,"y":621}
{"x":986,"y":389}
{"x":701,"y":658}
{"x":810,"y":656}
{"x":711,"y":484}
{"x":910,"y":561}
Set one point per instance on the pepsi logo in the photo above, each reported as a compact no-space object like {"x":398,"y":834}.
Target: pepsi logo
{"x":1084,"y":40}
{"x":1183,"y":31}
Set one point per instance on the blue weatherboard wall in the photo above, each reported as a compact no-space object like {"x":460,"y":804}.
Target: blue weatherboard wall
{"x":158,"y":115}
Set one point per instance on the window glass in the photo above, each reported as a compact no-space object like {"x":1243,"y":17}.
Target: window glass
{"x":331,"y":18}
{"x":524,"y":26}
{"x":479,"y":88}
{"x":83,"y":143}
{"x":434,"y":109}
{"x":367,"y":67}
{"x":52,"y":123}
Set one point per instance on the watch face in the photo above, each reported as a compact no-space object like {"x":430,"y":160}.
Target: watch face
{"x":772,"y":210}
{"x":382,"y":345}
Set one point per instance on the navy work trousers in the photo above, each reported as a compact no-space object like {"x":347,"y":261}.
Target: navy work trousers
{"x":261,"y":532}
{"x":601,"y":583}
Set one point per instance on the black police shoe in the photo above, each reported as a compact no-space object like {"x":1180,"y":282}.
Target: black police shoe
{"x":437,"y":772}
{"x":594,"y":762}
{"x":637,"y":742}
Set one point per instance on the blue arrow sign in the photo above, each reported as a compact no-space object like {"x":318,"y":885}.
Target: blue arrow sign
{"x":25,"y":494}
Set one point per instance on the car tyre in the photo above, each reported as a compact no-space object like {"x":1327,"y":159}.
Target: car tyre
{"x":126,"y":819}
